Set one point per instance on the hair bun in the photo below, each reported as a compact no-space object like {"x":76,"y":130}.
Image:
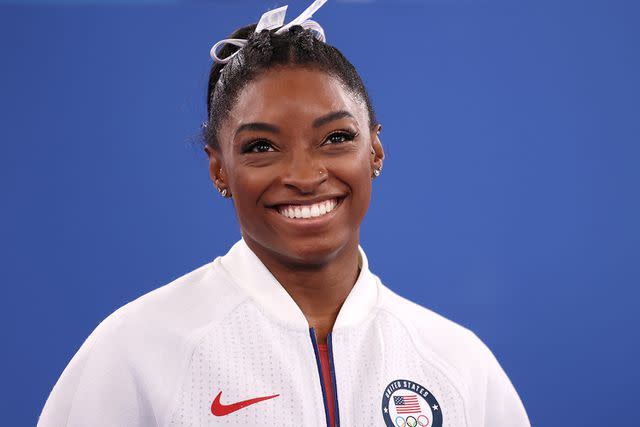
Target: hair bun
{"x":302,"y":37}
{"x":295,"y":29}
{"x":260,"y":44}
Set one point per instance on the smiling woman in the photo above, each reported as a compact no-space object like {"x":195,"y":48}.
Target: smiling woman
{"x":297,"y":156}
{"x":290,"y":324}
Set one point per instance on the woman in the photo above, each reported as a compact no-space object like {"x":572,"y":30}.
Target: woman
{"x":290,"y":327}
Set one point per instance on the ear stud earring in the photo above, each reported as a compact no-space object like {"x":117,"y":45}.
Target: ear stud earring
{"x":377,"y":172}
{"x":223,"y":192}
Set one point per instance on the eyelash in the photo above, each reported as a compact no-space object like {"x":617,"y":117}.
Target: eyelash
{"x":347,"y":134}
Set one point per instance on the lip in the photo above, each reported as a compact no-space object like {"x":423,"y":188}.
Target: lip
{"x":306,"y":223}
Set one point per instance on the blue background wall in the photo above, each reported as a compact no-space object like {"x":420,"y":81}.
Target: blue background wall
{"x":509,"y":201}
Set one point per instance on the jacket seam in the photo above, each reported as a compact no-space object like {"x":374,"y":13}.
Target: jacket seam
{"x":426,"y":360}
{"x":193,"y":341}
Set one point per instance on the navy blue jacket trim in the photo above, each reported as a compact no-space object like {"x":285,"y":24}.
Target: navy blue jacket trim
{"x":333,"y":380}
{"x":314,"y":341}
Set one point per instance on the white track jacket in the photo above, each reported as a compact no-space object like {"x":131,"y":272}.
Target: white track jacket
{"x":226,"y":345}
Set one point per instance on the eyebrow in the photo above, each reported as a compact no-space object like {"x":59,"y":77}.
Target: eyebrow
{"x":267,"y":127}
{"x":336,"y":115}
{"x":258,"y":126}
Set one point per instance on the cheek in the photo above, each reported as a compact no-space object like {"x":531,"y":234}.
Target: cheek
{"x":356,"y":173}
{"x":244,"y":182}
{"x":362,"y":193}
{"x":247,"y":188}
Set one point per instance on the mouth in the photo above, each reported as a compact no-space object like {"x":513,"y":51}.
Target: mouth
{"x":307,"y":211}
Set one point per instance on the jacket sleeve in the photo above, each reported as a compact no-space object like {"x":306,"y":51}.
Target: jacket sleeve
{"x":503,"y":407}
{"x":98,"y":387}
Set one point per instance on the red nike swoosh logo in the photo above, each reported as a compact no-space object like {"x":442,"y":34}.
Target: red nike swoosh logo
{"x":219,"y":410}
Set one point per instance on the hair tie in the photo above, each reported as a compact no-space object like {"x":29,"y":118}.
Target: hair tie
{"x":274,"y":19}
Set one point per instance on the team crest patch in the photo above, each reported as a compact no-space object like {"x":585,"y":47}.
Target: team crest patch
{"x":408,"y":404}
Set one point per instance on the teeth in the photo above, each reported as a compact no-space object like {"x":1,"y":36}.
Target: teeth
{"x":308,"y":211}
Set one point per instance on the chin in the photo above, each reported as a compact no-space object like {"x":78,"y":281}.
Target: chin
{"x":313,"y":252}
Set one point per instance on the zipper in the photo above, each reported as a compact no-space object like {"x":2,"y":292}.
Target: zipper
{"x":316,"y":351}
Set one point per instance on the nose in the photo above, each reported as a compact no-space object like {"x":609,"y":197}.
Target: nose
{"x":304,"y":172}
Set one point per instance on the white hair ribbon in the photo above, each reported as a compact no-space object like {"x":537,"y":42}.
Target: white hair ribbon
{"x":274,"y":19}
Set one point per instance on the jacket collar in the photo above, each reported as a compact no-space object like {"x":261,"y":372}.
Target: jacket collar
{"x":253,"y":277}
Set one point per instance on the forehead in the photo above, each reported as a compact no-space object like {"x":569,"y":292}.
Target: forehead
{"x":295,"y":96}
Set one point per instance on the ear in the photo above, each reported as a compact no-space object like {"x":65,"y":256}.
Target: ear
{"x":377,"y":152}
{"x":216,"y":170}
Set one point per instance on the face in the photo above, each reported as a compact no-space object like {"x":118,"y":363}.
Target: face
{"x":297,"y":155}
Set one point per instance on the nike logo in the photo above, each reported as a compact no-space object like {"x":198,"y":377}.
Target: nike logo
{"x":219,"y":410}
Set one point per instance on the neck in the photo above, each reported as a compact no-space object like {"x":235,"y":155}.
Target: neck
{"x":319,"y":289}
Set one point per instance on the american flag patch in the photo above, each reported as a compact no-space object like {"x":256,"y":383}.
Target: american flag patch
{"x":407,"y":404}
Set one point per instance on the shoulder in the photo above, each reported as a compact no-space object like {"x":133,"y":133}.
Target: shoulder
{"x":449,"y":339}
{"x":455,"y":349}
{"x":140,"y":350}
{"x":463,"y":356}
{"x":181,"y":306}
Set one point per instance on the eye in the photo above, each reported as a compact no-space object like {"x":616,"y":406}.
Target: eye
{"x":340,"y":137}
{"x":258,"y":146}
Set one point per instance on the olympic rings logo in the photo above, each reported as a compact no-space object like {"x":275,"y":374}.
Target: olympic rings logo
{"x":411,"y":421}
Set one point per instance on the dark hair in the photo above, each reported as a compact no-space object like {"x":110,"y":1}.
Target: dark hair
{"x":297,"y":46}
